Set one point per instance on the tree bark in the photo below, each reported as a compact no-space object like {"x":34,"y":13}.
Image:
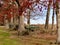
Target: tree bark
{"x":21,"y":24}
{"x":11,"y":23}
{"x":28,"y":20}
{"x":21,"y":19}
{"x":47,"y":16}
{"x":58,"y":22}
{"x":53,"y":19}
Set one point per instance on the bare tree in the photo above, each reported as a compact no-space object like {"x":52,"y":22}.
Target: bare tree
{"x":28,"y":18}
{"x":58,"y":21}
{"x":53,"y":20}
{"x":53,"y":15}
{"x":47,"y":16}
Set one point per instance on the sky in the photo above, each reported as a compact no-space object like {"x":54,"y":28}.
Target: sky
{"x":42,"y":18}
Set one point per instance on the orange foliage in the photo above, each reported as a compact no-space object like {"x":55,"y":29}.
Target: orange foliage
{"x":25,"y":4}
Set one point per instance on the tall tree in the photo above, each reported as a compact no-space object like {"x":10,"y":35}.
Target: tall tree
{"x":53,"y":14}
{"x":58,"y":21}
{"x":21,"y":18}
{"x":28,"y":18}
{"x":53,"y":20}
{"x":6,"y":23}
{"x":47,"y":16}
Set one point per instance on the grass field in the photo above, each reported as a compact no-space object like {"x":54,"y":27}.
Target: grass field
{"x":9,"y":38}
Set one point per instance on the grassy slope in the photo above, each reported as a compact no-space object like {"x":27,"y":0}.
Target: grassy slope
{"x":7,"y":39}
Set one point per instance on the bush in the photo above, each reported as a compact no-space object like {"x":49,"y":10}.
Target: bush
{"x":13,"y":27}
{"x":31,"y":28}
{"x":24,"y":33}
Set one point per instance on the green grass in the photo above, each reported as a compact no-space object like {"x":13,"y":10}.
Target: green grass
{"x":6,"y":40}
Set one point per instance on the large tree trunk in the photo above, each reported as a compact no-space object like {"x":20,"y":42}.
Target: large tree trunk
{"x":47,"y":16}
{"x":21,"y":24}
{"x":58,"y":29}
{"x":21,"y":19}
{"x":58,"y":21}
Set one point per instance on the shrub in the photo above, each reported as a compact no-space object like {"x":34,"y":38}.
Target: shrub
{"x":24,"y":33}
{"x":31,"y":28}
{"x":13,"y":27}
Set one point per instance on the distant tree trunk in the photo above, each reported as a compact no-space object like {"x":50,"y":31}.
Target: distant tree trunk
{"x":15,"y":14}
{"x":47,"y":16}
{"x":14,"y":19}
{"x":11,"y":23}
{"x":6,"y":23}
{"x":28,"y":18}
{"x":53,"y":19}
{"x":3,"y":20}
